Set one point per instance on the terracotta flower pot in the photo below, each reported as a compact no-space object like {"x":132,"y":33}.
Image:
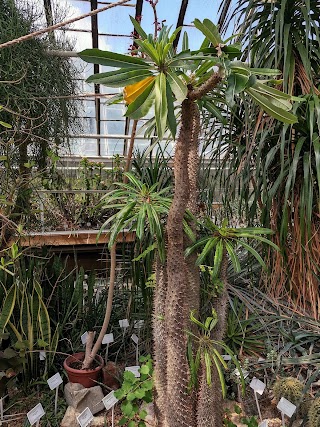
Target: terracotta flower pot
{"x":86,"y":377}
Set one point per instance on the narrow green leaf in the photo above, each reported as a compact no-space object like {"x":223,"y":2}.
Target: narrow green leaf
{"x":209,"y":30}
{"x":141,"y":105}
{"x":178,"y":87}
{"x":138,"y":28}
{"x":272,"y":110}
{"x":172,"y":121}
{"x":111,"y":59}
{"x":233,"y":256}
{"x":7,"y":307}
{"x":120,"y":78}
{"x":161,"y":107}
{"x":217,"y":259}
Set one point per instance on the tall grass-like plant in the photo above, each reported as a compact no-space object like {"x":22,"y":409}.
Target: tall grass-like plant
{"x":278,"y":165}
{"x":158,"y":76}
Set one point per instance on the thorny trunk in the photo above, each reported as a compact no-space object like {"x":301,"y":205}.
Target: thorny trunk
{"x":178,"y":282}
{"x":160,"y":341}
{"x":209,"y":409}
{"x":180,"y":409}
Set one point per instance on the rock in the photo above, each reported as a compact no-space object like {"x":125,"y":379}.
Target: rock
{"x":150,"y":419}
{"x":70,"y":419}
{"x":80,"y":397}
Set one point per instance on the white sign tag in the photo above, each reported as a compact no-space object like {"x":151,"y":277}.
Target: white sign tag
{"x":55,"y":381}
{"x":138,"y":324}
{"x":244,"y":373}
{"x":42,"y":355}
{"x":226,"y":357}
{"x":35,"y":414}
{"x":261,"y":359}
{"x":109,"y":400}
{"x":107,"y":339}
{"x":84,"y":337}
{"x":85,"y":418}
{"x":264,"y":423}
{"x":286,"y":407}
{"x":124,"y":323}
{"x":257,"y":385}
{"x":135,"y":339}
{"x":134,"y":370}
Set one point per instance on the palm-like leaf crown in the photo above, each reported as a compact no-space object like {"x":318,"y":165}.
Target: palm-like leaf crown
{"x":158,"y":76}
{"x":139,"y":207}
{"x":224,"y":239}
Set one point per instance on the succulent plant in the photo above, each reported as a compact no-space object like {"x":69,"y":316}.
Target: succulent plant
{"x":292,"y":389}
{"x":314,"y":413}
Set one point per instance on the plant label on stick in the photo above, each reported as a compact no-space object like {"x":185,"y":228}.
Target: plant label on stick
{"x":108,"y":339}
{"x":138,"y":324}
{"x":257,"y":386}
{"x":42,"y":355}
{"x":134,"y":370}
{"x":226,"y":357}
{"x":84,"y":337}
{"x":54,"y":381}
{"x":124,"y":323}
{"x":85,"y":418}
{"x":109,"y":400}
{"x":264,"y":423}
{"x":135,"y":339}
{"x":286,"y":407}
{"x":35,"y":414}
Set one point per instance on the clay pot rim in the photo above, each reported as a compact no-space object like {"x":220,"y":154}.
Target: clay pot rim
{"x":80,"y":356}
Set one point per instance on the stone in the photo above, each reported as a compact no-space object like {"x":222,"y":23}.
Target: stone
{"x":150,"y":419}
{"x":70,"y":419}
{"x":80,"y":397}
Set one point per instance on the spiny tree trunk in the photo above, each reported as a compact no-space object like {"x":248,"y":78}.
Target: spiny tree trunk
{"x":180,"y":411}
{"x":175,"y":405}
{"x":209,"y":409}
{"x":160,"y":342}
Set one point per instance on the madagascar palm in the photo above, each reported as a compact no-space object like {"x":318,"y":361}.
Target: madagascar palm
{"x":160,"y":77}
{"x":280,"y":164}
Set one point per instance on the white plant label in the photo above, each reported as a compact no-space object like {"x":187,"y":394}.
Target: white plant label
{"x":35,"y":414}
{"x":84,"y":337}
{"x":124,"y":323}
{"x":264,"y":423}
{"x":109,"y":400}
{"x":107,"y":339}
{"x":257,"y":385}
{"x":42,"y":355}
{"x":138,"y":324}
{"x":135,"y":339}
{"x":244,"y":373}
{"x":226,"y":357}
{"x":134,"y":370}
{"x":286,"y":407}
{"x":54,"y":381}
{"x":261,"y":359}
{"x":85,"y":418}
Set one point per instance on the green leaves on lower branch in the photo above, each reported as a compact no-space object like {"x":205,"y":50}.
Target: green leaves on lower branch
{"x":135,"y":393}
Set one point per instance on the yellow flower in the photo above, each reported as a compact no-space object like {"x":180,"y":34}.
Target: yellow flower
{"x":131,"y":92}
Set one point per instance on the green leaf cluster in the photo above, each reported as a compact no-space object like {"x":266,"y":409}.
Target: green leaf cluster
{"x":134,"y":392}
{"x":221,"y":240}
{"x":204,"y":353}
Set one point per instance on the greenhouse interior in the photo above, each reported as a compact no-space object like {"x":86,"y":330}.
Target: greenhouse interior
{"x":160,"y":213}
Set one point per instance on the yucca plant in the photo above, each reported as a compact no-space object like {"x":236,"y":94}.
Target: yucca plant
{"x":158,"y":76}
